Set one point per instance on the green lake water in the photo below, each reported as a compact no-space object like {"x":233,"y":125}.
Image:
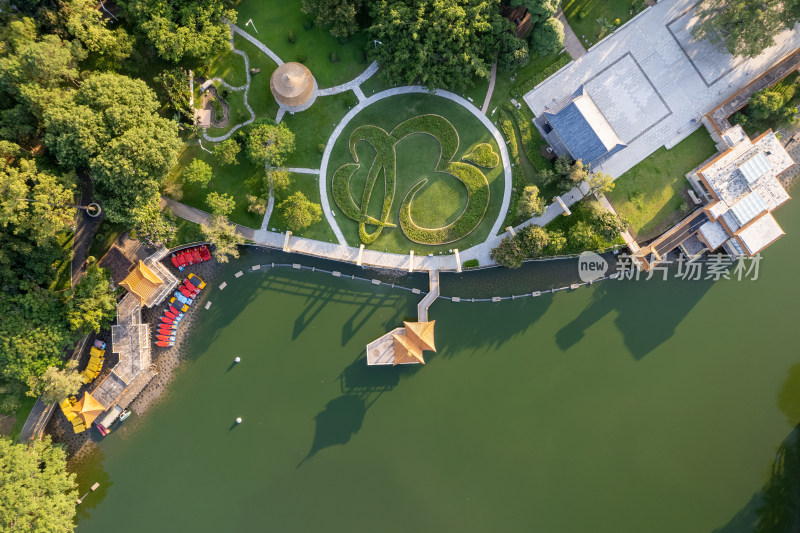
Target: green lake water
{"x":624,"y":407}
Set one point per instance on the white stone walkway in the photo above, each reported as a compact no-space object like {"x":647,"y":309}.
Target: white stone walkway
{"x":353,"y":84}
{"x":261,"y":46}
{"x":498,"y":137}
{"x":245,"y":88}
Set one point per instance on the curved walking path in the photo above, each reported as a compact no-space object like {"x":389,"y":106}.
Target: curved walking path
{"x":498,"y":137}
{"x":245,"y":88}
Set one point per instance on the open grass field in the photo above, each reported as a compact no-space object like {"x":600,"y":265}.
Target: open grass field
{"x":314,"y":126}
{"x":236,"y":180}
{"x":648,"y":195}
{"x":260,"y":97}
{"x":229,"y":66}
{"x":275,"y":19}
{"x":417,"y":156}
{"x":308,"y":184}
{"x":583,"y":15}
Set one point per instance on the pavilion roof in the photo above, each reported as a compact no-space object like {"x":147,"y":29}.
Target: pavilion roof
{"x":142,"y":281}
{"x":422,"y":334}
{"x":406,"y":351}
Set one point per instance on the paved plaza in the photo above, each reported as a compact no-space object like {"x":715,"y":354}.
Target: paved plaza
{"x":653,"y":82}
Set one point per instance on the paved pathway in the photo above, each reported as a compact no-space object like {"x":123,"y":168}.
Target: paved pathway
{"x":199,"y":216}
{"x":245,"y":88}
{"x":492,"y":79}
{"x":261,"y":46}
{"x":323,"y":189}
{"x":572,"y":42}
{"x":85,"y":228}
{"x":353,"y":84}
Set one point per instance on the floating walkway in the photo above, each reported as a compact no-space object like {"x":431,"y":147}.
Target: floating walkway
{"x":425,"y":303}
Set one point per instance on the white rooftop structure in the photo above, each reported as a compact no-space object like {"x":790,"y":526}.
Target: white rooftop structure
{"x":742,"y":186}
{"x":653,"y":81}
{"x":760,"y":234}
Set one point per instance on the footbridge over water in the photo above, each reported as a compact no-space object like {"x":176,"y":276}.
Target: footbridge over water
{"x":425,"y":303}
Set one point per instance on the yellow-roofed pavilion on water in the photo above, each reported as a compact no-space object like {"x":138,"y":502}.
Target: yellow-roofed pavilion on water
{"x":402,"y":346}
{"x":142,"y":282}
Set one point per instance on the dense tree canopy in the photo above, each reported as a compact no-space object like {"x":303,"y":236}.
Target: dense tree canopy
{"x":548,"y":37}
{"x":193,"y":30}
{"x":745,"y":27}
{"x":36,"y":492}
{"x":540,"y":10}
{"x":439,"y":44}
{"x":299,"y":211}
{"x":269,"y":143}
{"x":103,"y":126}
{"x":338,"y":15}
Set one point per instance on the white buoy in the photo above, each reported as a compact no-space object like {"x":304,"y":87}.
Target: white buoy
{"x":237,"y":360}
{"x":239,"y":420}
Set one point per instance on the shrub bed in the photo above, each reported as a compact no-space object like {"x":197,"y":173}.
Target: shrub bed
{"x":483,"y":155}
{"x":470,"y":263}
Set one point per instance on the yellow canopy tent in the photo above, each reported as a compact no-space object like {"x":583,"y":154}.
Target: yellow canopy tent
{"x":88,"y":409}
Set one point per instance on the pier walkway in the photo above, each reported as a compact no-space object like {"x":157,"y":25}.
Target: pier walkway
{"x":425,"y":303}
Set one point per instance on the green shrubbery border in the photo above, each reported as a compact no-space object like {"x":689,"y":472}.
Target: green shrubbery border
{"x":482,"y":155}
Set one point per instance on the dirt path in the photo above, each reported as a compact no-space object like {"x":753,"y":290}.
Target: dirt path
{"x":488,"y":98}
{"x":85,"y":228}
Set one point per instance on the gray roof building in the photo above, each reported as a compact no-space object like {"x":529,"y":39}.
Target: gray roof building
{"x":576,"y":127}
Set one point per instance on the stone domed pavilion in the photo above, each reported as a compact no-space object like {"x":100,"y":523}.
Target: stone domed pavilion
{"x":293,"y":87}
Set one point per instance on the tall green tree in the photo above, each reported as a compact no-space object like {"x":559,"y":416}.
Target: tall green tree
{"x":269,"y":143}
{"x":548,"y":37}
{"x":299,"y":211}
{"x":57,"y":384}
{"x":183,"y":30}
{"x":540,"y":10}
{"x":222,"y":235}
{"x":85,"y":22}
{"x":435,"y":43}
{"x":530,"y":203}
{"x":337,"y":15}
{"x":110,"y":126}
{"x":37,"y":493}
{"x":90,"y":304}
{"x":745,"y":27}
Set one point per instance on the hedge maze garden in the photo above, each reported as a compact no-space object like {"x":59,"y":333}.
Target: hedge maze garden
{"x":384,"y":166}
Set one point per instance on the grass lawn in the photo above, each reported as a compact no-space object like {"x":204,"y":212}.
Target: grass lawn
{"x":274,"y":19}
{"x":308,"y":184}
{"x":236,"y":180}
{"x":416,"y":158}
{"x":259,"y":96}
{"x":582,"y":16}
{"x":63,"y":269}
{"x":25,"y":408}
{"x":106,"y":234}
{"x":229,"y":66}
{"x":580,"y":213}
{"x":504,"y":85}
{"x":648,"y":195}
{"x":187,"y":233}
{"x":314,"y":126}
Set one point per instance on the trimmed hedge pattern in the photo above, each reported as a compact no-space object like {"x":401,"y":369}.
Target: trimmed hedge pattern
{"x":483,"y":155}
{"x":385,"y":160}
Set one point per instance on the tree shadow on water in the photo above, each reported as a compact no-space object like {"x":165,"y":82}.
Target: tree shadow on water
{"x":648,"y":312}
{"x":361,"y":386}
{"x":776,"y":507}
